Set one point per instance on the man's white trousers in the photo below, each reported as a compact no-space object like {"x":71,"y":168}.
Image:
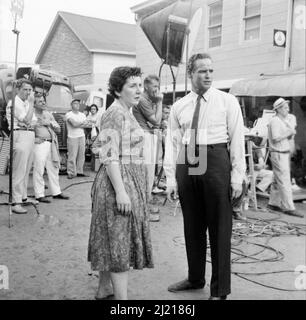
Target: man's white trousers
{"x":42,"y":160}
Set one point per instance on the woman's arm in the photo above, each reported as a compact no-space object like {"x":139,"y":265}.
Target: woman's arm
{"x":122,"y":198}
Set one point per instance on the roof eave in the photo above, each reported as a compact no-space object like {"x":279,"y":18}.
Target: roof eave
{"x":59,"y":15}
{"x":127,"y":53}
{"x":50,"y":32}
{"x":72,"y":29}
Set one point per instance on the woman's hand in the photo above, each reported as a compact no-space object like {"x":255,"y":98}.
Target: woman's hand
{"x":123,"y":203}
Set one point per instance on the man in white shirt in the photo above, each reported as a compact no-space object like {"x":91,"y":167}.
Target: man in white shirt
{"x":205,"y":163}
{"x":23,"y":142}
{"x":46,"y":155}
{"x":281,"y":132}
{"x":76,"y":140}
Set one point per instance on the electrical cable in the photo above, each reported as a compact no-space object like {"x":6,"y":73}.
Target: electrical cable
{"x":259,"y":228}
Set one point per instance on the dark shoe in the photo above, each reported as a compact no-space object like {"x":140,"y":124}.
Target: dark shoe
{"x":238,"y":216}
{"x":105,"y":298}
{"x":24,"y":200}
{"x":61,"y":196}
{"x":184,"y":285}
{"x":217,"y":298}
{"x":43,"y":199}
{"x":294,"y":213}
{"x":82,"y":175}
{"x":274,"y":208}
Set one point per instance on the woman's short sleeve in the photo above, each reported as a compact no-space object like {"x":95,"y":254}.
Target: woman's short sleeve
{"x":109,"y":140}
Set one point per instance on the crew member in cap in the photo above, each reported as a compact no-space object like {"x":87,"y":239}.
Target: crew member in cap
{"x":46,"y":153}
{"x":281,"y":131}
{"x":76,"y":121}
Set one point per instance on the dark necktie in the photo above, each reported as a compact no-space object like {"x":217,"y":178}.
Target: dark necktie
{"x":191,"y":149}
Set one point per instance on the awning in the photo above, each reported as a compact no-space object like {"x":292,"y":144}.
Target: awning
{"x":282,"y":84}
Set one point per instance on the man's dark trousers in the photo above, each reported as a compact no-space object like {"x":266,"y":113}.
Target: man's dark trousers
{"x":206,"y":204}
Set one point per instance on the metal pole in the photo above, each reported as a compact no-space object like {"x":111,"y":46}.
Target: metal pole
{"x":187,"y":58}
{"x":15,"y":31}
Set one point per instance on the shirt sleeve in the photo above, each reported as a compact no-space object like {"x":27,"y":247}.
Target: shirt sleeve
{"x":67,"y":116}
{"x":109,"y":141}
{"x":19,"y":112}
{"x":55,"y":123}
{"x":8,"y":111}
{"x":145,"y":108}
{"x":173,"y":146}
{"x":237,"y":141}
{"x":275,"y":129}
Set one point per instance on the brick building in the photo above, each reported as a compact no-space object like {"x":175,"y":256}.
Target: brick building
{"x":87,"y":49}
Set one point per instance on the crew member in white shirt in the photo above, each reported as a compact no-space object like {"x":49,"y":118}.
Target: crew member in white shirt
{"x":205,"y":163}
{"x":76,"y":121}
{"x":46,"y":155}
{"x":23,"y":142}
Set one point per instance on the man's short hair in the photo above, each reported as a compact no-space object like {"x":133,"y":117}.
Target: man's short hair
{"x":194,"y":58}
{"x":150,"y":78}
{"x":21,"y":82}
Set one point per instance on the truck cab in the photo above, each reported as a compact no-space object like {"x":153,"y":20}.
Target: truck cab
{"x":57,"y":88}
{"x":90,"y":94}
{"x":6,"y":80}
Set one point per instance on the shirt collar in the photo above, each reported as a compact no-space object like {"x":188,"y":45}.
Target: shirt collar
{"x":206,"y":95}
{"x":24,"y":102}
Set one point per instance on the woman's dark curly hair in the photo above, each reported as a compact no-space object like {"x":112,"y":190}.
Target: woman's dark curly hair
{"x":118,"y":78}
{"x":94,"y":106}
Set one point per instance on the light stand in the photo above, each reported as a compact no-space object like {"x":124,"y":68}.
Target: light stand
{"x":16,"y":32}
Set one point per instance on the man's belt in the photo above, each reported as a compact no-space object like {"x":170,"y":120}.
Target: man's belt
{"x":44,"y":139}
{"x":286,"y":151}
{"x":24,"y":129}
{"x":210,"y":146}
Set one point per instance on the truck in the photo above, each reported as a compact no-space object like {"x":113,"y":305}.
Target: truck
{"x":58,"y":90}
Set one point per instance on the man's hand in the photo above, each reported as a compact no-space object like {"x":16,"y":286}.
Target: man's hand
{"x":172,"y":193}
{"x":159,"y":96}
{"x":236,"y":190}
{"x":31,"y":99}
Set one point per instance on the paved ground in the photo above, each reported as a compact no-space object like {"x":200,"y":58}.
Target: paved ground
{"x":46,"y":254}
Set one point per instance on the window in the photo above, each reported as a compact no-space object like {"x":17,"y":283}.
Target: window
{"x":98,"y":101}
{"x":215,"y":24}
{"x":252,"y":18}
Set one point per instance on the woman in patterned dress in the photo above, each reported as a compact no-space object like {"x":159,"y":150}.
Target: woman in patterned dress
{"x":119,"y":233}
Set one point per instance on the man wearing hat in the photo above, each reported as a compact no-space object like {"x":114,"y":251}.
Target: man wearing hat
{"x":281,"y":131}
{"x":76,"y":121}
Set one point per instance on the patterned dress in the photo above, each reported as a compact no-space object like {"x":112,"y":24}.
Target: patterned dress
{"x":118,"y":242}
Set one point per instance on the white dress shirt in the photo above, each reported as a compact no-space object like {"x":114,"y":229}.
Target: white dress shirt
{"x":220,"y":121}
{"x":20,"y":112}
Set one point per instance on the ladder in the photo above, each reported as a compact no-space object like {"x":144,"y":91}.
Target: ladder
{"x":251,"y":175}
